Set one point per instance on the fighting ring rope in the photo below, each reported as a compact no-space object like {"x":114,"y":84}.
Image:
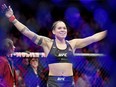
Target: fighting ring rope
{"x":90,"y":54}
{"x":36,"y":54}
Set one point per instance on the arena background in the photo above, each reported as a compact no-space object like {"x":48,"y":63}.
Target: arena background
{"x":83,"y":17}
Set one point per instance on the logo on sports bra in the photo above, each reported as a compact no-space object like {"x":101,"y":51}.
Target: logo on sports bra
{"x":62,"y":55}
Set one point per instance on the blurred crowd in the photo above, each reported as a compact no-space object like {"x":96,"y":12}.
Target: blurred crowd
{"x":32,"y":70}
{"x":88,"y":71}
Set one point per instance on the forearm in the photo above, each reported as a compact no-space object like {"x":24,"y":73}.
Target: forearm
{"x":99,"y":36}
{"x":18,"y":25}
{"x":23,"y":29}
{"x":37,"y":39}
{"x":80,"y":43}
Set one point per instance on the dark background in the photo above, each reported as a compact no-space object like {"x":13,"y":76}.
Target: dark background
{"x":83,"y":18}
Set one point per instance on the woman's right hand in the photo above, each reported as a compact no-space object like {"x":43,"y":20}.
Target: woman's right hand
{"x":7,"y":10}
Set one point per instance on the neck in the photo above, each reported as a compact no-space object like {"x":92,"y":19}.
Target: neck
{"x":60,"y":41}
{"x":35,"y":70}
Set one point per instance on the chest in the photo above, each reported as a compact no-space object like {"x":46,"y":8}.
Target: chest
{"x":61,"y":46}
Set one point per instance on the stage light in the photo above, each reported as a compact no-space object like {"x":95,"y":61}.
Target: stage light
{"x":100,"y":16}
{"x":56,"y":1}
{"x":72,"y":16}
{"x":112,"y":4}
{"x":89,"y":4}
{"x":43,"y":15}
{"x":86,"y":31}
{"x":86,"y":1}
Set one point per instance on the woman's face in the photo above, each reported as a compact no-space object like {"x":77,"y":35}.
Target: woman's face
{"x":34,"y":62}
{"x":60,"y":30}
{"x":12,"y":47}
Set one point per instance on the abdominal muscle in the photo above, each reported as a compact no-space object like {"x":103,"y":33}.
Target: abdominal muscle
{"x":60,"y":69}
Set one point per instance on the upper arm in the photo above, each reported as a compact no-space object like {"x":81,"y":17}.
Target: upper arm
{"x":3,"y":67}
{"x":80,"y":43}
{"x":37,"y":39}
{"x":42,"y":40}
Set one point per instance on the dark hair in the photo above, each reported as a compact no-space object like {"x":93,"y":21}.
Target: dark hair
{"x":5,"y":46}
{"x":55,"y":23}
{"x":31,"y":59}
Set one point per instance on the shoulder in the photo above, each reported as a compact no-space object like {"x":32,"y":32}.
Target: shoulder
{"x":73,"y":42}
{"x":46,"y":40}
{"x":3,"y":59}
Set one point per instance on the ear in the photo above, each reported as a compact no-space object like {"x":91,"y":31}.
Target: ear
{"x":53,"y":31}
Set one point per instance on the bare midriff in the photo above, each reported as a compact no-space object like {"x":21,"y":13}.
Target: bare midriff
{"x":60,"y":69}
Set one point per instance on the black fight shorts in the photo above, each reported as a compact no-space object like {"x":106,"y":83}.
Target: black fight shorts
{"x":60,"y":81}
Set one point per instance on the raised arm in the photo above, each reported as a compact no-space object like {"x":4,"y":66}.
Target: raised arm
{"x":80,"y":43}
{"x":37,"y":39}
